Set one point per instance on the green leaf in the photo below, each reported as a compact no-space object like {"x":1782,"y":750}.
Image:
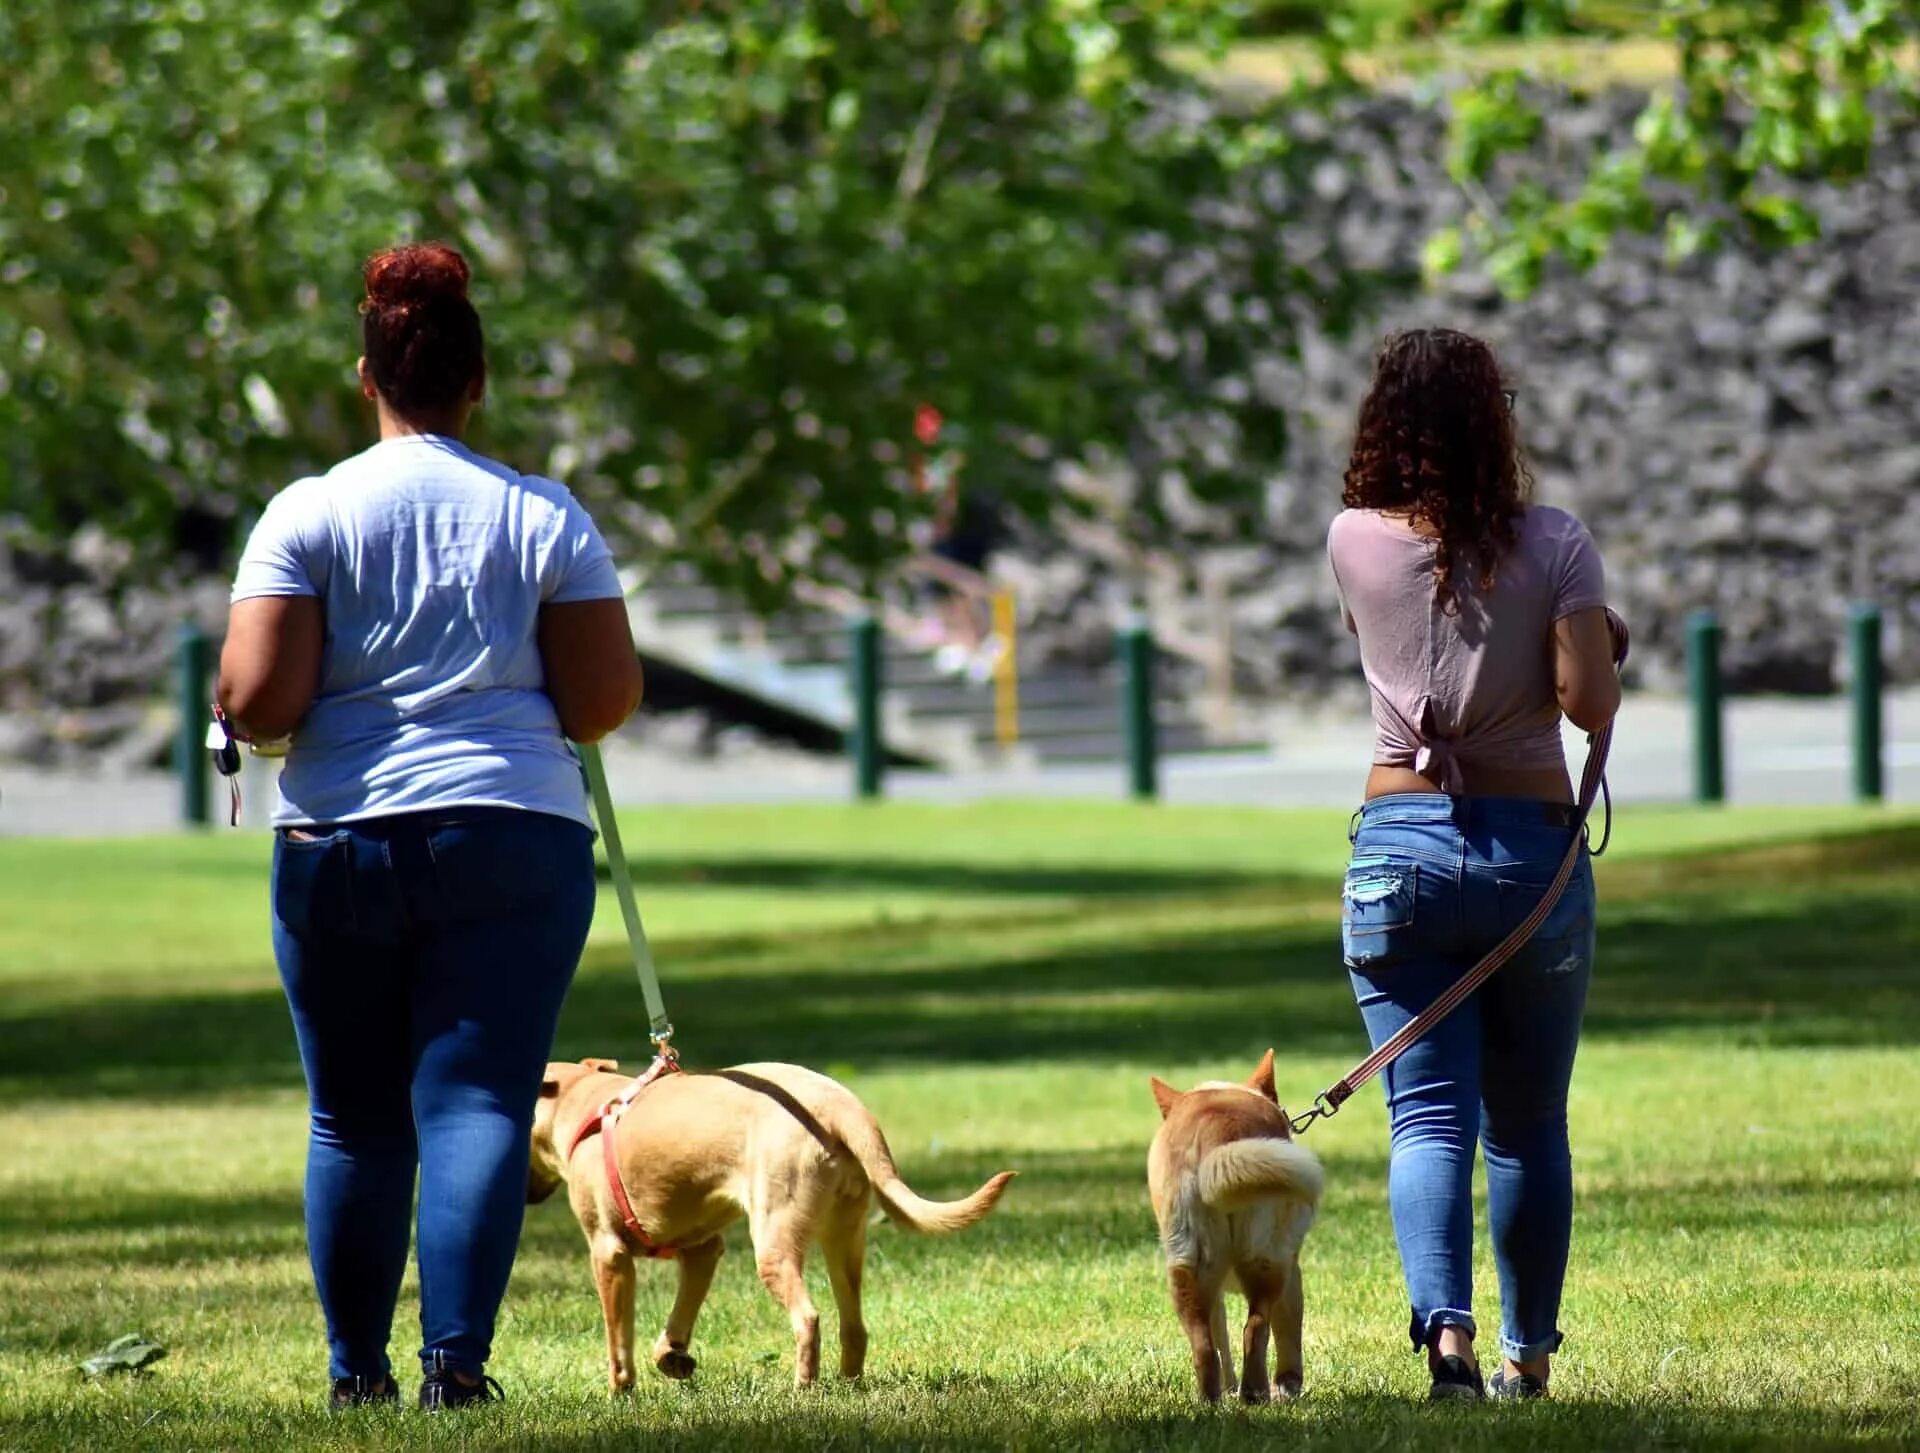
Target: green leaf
{"x":1442,"y":253}
{"x":124,"y":1354}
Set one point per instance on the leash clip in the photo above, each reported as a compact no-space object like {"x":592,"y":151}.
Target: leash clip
{"x":664,"y":1054}
{"x":1323,"y":1109}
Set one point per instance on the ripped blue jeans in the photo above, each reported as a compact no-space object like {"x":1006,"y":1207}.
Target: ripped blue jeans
{"x":1434,"y":883}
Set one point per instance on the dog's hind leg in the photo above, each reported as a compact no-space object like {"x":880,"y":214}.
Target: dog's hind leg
{"x":697,"y":1265}
{"x":1222,"y":1342}
{"x":1263,"y":1285}
{"x":1199,"y":1309}
{"x":613,"y":1276}
{"x":843,"y":1241}
{"x":780,"y":1236}
{"x":1287,"y":1312}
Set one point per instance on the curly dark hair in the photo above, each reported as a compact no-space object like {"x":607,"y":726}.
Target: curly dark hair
{"x":1436,"y":439}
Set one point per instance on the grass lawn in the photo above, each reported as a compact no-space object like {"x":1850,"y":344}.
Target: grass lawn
{"x":997,"y":982}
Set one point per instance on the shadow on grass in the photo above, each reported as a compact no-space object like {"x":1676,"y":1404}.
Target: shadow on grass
{"x":86,"y":1227}
{"x":1807,"y":945}
{"x":963,"y":879}
{"x":971,"y":1411}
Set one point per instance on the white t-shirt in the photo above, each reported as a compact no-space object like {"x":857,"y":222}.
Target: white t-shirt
{"x":432,"y":563}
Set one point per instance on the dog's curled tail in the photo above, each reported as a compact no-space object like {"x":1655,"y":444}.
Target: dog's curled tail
{"x":1242,"y":1172}
{"x":860,"y":1133}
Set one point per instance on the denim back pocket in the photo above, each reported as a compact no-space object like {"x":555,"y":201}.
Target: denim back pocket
{"x":313,"y":881}
{"x":1377,"y":909}
{"x":1563,"y":944}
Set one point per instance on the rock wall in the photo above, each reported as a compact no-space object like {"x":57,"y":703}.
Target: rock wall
{"x":1741,"y":432}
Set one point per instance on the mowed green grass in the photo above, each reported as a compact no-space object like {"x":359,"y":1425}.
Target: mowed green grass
{"x":997,"y":982}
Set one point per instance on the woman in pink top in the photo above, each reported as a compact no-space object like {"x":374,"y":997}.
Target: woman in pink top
{"x":1481,"y":621}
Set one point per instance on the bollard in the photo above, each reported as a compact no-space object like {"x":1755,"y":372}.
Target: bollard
{"x":1143,"y":748}
{"x":190,"y":759}
{"x":863,"y":660}
{"x":1703,"y":685}
{"x":1869,"y":756}
{"x":1006,"y":673}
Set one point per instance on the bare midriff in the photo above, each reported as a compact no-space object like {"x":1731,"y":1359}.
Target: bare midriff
{"x":1548,"y":784}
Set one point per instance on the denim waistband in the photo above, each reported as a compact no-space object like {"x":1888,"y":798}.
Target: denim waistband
{"x":1465,"y":812}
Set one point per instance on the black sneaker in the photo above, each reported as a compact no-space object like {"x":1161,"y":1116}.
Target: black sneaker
{"x":1456,"y":1380}
{"x":362,"y":1392}
{"x":441,"y":1389}
{"x":1521,"y":1387}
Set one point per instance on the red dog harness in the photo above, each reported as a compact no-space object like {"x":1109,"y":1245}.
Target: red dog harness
{"x":605,"y":1123}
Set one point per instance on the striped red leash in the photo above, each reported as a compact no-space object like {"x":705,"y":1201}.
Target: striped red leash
{"x":1593,"y":788}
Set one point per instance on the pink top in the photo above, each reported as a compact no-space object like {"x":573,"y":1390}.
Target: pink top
{"x":1473,"y":688}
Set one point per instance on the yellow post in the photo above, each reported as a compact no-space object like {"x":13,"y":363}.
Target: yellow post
{"x":1006,"y":673}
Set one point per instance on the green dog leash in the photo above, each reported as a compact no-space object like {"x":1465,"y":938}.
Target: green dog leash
{"x":661,"y":1027}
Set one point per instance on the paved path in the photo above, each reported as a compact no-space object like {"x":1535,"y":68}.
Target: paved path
{"x":1778,"y":751}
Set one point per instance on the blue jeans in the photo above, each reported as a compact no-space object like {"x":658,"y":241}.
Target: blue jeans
{"x":425,"y":958}
{"x":1434,"y":883}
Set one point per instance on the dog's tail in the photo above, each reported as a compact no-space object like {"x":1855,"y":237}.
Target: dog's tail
{"x":854,"y":1126}
{"x":1242,"y":1172}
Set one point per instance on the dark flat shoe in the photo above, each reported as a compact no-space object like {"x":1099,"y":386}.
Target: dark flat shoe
{"x":1456,"y":1380}
{"x":1521,"y":1387}
{"x":441,"y":1389}
{"x":362,"y":1392}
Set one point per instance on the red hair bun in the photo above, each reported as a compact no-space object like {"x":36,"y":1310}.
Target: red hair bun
{"x":419,"y":272}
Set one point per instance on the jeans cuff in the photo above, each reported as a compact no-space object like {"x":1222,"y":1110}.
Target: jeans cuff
{"x":437,"y":1359}
{"x":1530,"y":1351}
{"x":1425,"y":1332}
{"x":337,"y":1368}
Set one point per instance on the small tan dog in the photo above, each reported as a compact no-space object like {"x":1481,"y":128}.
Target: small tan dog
{"x":791,"y":1150}
{"x":1234,"y":1197}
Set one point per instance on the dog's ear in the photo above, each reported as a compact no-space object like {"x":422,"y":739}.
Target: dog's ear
{"x":1262,"y":1078}
{"x":1163,"y":1095}
{"x":601,"y":1064}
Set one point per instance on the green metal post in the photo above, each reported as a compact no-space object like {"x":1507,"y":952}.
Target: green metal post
{"x":190,"y":758}
{"x":863,"y":638}
{"x":1703,"y":685}
{"x":1869,"y":757}
{"x":1143,"y":748}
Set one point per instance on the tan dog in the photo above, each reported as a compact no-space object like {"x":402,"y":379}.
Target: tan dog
{"x":1234,"y":1197}
{"x":791,"y":1150}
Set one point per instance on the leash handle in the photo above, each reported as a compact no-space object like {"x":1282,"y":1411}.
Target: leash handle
{"x":661,"y":1027}
{"x":1593,"y":785}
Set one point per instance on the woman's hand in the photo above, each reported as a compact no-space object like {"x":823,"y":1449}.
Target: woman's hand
{"x":270,"y":665}
{"x":1584,"y":676}
{"x":592,"y":668}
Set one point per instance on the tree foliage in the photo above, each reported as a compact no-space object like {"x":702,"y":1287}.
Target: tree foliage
{"x":1767,"y":92}
{"x":724,"y":250}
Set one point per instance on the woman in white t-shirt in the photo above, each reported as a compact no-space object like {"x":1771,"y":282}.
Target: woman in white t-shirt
{"x":429,"y":626}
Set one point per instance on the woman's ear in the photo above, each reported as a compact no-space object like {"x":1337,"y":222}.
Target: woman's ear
{"x":367,"y":389}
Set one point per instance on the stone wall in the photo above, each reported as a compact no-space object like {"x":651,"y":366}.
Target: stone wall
{"x":1741,"y":432}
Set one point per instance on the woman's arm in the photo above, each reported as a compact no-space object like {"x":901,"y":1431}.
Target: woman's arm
{"x":1584,"y":678}
{"x":592,"y":669}
{"x":270,"y":665}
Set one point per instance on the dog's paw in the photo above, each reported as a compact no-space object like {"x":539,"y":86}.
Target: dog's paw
{"x":1286,"y":1387}
{"x":675,"y":1362}
{"x":1255,"y":1397}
